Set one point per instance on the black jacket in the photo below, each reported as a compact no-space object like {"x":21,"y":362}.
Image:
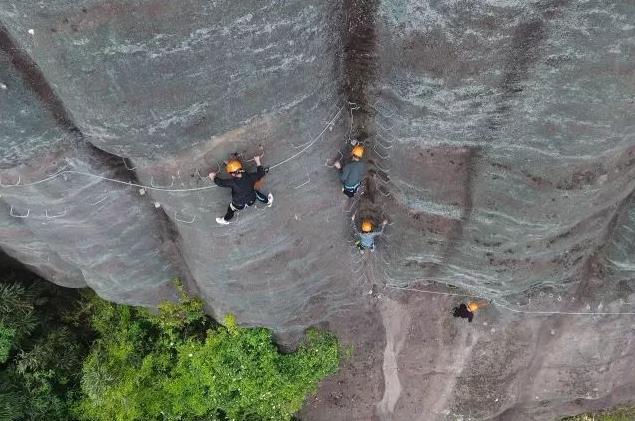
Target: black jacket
{"x":243,"y":192}
{"x":463,"y":312}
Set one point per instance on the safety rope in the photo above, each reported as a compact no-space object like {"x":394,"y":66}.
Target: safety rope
{"x":167,"y":189}
{"x":310,"y":143}
{"x":536,"y":312}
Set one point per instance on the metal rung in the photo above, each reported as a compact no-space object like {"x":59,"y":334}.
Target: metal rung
{"x":381,"y":145}
{"x":380,"y":155}
{"x":178,"y":175}
{"x":63,"y":213}
{"x":10,"y":185}
{"x":390,"y":142}
{"x":28,"y":212}
{"x":382,"y":169}
{"x":125,"y":163}
{"x":161,"y":187}
{"x":382,"y":127}
{"x":176,"y":217}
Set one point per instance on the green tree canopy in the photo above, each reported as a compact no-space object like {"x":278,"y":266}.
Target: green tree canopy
{"x":18,"y":317}
{"x":40,"y":354}
{"x":179,"y":365}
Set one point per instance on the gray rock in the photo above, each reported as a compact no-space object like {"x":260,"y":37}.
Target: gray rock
{"x":500,"y":140}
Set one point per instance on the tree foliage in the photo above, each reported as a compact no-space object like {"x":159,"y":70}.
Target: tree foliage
{"x":18,"y":318}
{"x":615,"y":414}
{"x":179,"y":365}
{"x":7,"y":338}
{"x":66,"y":355}
{"x":40,"y":357}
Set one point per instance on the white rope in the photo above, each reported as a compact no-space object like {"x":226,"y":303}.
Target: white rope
{"x":312,"y":142}
{"x":513,"y":310}
{"x":303,"y":184}
{"x":127,"y":183}
{"x":570,"y":313}
{"x":167,"y":189}
{"x":434,"y":292}
{"x":44,"y":180}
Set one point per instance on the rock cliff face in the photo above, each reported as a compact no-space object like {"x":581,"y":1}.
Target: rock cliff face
{"x":501,"y":144}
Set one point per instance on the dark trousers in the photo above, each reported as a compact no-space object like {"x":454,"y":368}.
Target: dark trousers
{"x":233,"y":207}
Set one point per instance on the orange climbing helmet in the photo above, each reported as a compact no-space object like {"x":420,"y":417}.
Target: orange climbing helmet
{"x":472,"y":306}
{"x":233,"y":165}
{"x":367,"y":225}
{"x":358,"y":151}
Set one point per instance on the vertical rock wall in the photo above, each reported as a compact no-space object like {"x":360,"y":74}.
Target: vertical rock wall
{"x":26,"y":128}
{"x":517,"y":119}
{"x":500,"y":144}
{"x":66,"y":227}
{"x":173,"y":89}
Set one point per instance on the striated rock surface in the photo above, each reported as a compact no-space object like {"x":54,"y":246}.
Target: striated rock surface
{"x":501,"y":144}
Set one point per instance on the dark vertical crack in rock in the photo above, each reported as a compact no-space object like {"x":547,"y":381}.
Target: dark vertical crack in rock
{"x":594,"y":264}
{"x":359,"y":63}
{"x":524,"y":52}
{"x":360,"y":58}
{"x":36,"y":81}
{"x":172,"y":240}
{"x":622,"y":207}
{"x":455,"y":233}
{"x":360,"y":71}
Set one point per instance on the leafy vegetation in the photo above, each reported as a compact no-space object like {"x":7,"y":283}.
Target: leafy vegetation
{"x":619,"y":414}
{"x":67,"y":355}
{"x":40,"y":356}
{"x":179,"y":365}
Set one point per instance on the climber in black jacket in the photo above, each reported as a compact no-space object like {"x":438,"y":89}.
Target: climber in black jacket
{"x":243,"y":187}
{"x":463,"y":312}
{"x":467,"y":311}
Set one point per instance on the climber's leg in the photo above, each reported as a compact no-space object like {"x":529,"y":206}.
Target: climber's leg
{"x":261,"y":197}
{"x":264,"y":199}
{"x":231,"y":209}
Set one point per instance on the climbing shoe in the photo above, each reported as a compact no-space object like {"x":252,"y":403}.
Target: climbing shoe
{"x":222,"y":221}
{"x":270,"y":200}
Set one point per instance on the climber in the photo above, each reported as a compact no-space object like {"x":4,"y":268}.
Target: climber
{"x":463,"y":312}
{"x":366,"y":238}
{"x":242,"y":185}
{"x":352,"y":173}
{"x":466,"y":311}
